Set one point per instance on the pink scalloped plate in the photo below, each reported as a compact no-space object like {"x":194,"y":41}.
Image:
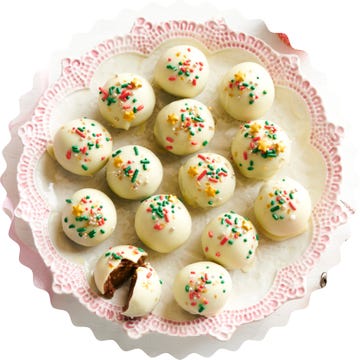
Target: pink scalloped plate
{"x":141,"y":44}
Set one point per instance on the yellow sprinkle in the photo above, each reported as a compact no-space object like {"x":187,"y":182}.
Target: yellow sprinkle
{"x":77,"y":210}
{"x":172,"y":118}
{"x":210,"y":191}
{"x":193,"y":171}
{"x":280,"y":147}
{"x":255,"y":127}
{"x":135,"y":83}
{"x":129,"y":115}
{"x":239,"y":76}
{"x":246,"y":225}
{"x":117,"y":161}
{"x":263,"y":145}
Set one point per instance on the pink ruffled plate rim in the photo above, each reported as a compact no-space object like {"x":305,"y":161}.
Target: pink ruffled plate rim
{"x":144,"y":37}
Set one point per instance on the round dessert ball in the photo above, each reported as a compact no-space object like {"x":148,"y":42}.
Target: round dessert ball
{"x":283,"y":208}
{"x":207,"y":180}
{"x":82,"y":146}
{"x":134,"y":172}
{"x":247,"y":91}
{"x":115,"y":266}
{"x":126,"y":100}
{"x":202,"y":288}
{"x":144,"y":293}
{"x":163,"y":223}
{"x":89,"y":217}
{"x":260,"y":148}
{"x":182,"y":71}
{"x":184,"y":126}
{"x":230,"y":240}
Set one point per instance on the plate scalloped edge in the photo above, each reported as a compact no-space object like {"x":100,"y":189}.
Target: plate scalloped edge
{"x":290,"y":282}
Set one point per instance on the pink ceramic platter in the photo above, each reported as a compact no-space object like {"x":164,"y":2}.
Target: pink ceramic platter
{"x":281,"y":270}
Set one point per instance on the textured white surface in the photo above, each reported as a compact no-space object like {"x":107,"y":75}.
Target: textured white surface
{"x":308,"y":327}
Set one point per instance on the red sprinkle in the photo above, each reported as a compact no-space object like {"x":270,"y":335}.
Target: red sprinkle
{"x":158,"y":226}
{"x":169,"y":139}
{"x":68,"y":154}
{"x":228,"y":221}
{"x":292,"y":206}
{"x":140,"y":107}
{"x":81,"y":134}
{"x":104,"y":92}
{"x":218,"y":254}
{"x":224,"y":241}
{"x":169,"y":147}
{"x":245,"y":155}
{"x":202,"y":157}
{"x":210,"y":234}
{"x":172,"y":78}
{"x":201,"y":175}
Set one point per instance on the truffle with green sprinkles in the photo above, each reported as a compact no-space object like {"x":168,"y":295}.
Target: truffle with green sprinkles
{"x":230,"y":240}
{"x":163,"y":223}
{"x":88,"y":217}
{"x":82,"y":146}
{"x":202,"y":288}
{"x":184,"y":126}
{"x":134,"y":172}
{"x":260,"y":149}
{"x":283,"y":208}
{"x":182,"y":71}
{"x":206,"y":180}
{"x":247,"y":91}
{"x":126,"y":100}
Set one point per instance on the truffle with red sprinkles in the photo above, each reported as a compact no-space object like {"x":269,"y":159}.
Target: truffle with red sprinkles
{"x":184,"y":126}
{"x":182,"y":71}
{"x":89,"y":217}
{"x":206,"y":180}
{"x":82,"y":146}
{"x":260,"y":149}
{"x":202,"y":288}
{"x":282,"y":208}
{"x":126,"y":100}
{"x":247,"y":91}
{"x":134,"y":172}
{"x":163,"y":223}
{"x":230,"y":240}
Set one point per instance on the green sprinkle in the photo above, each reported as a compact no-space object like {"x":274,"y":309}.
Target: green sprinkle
{"x":71,"y":226}
{"x":75,"y":149}
{"x":81,"y":230}
{"x":69,"y":201}
{"x":116,"y":153}
{"x":102,"y":231}
{"x":205,"y":143}
{"x":136,"y":150}
{"x":66,"y":220}
{"x":275,"y":217}
{"x":275,"y":208}
{"x":84,"y":167}
{"x":201,"y":308}
{"x":291,"y":195}
{"x":92,"y":233}
{"x":187,"y":288}
{"x":136,"y":173}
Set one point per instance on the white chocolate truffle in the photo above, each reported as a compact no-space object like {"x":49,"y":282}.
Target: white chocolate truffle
{"x":283,"y":208}
{"x":89,"y":217}
{"x":126,"y":100}
{"x":116,"y":266}
{"x":207,"y":180}
{"x":163,"y":223}
{"x":184,"y":126}
{"x":144,"y":293}
{"x":247,"y":91}
{"x":231,"y":241}
{"x":260,"y":148}
{"x":202,"y":288}
{"x":82,"y":146}
{"x":182,"y":71}
{"x":134,"y":172}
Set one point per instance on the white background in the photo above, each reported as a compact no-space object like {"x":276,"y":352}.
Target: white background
{"x":31,"y":31}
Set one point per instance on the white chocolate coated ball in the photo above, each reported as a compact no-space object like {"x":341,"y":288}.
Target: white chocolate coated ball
{"x":89,"y":217}
{"x":207,"y":180}
{"x":184,"y":126}
{"x":82,"y":146}
{"x":163,"y":223}
{"x":202,"y":288}
{"x":247,"y":91}
{"x":112,"y":259}
{"x":145,"y":292}
{"x":126,"y":100}
{"x":134,"y":172}
{"x":283,"y":208}
{"x":230,"y":240}
{"x":182,"y":71}
{"x":260,"y":149}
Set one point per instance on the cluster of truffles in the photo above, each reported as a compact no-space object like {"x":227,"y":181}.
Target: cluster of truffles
{"x":206,"y":180}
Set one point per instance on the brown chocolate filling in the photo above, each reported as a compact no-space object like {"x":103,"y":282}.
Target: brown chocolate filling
{"x":125,"y":270}
{"x":131,"y":290}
